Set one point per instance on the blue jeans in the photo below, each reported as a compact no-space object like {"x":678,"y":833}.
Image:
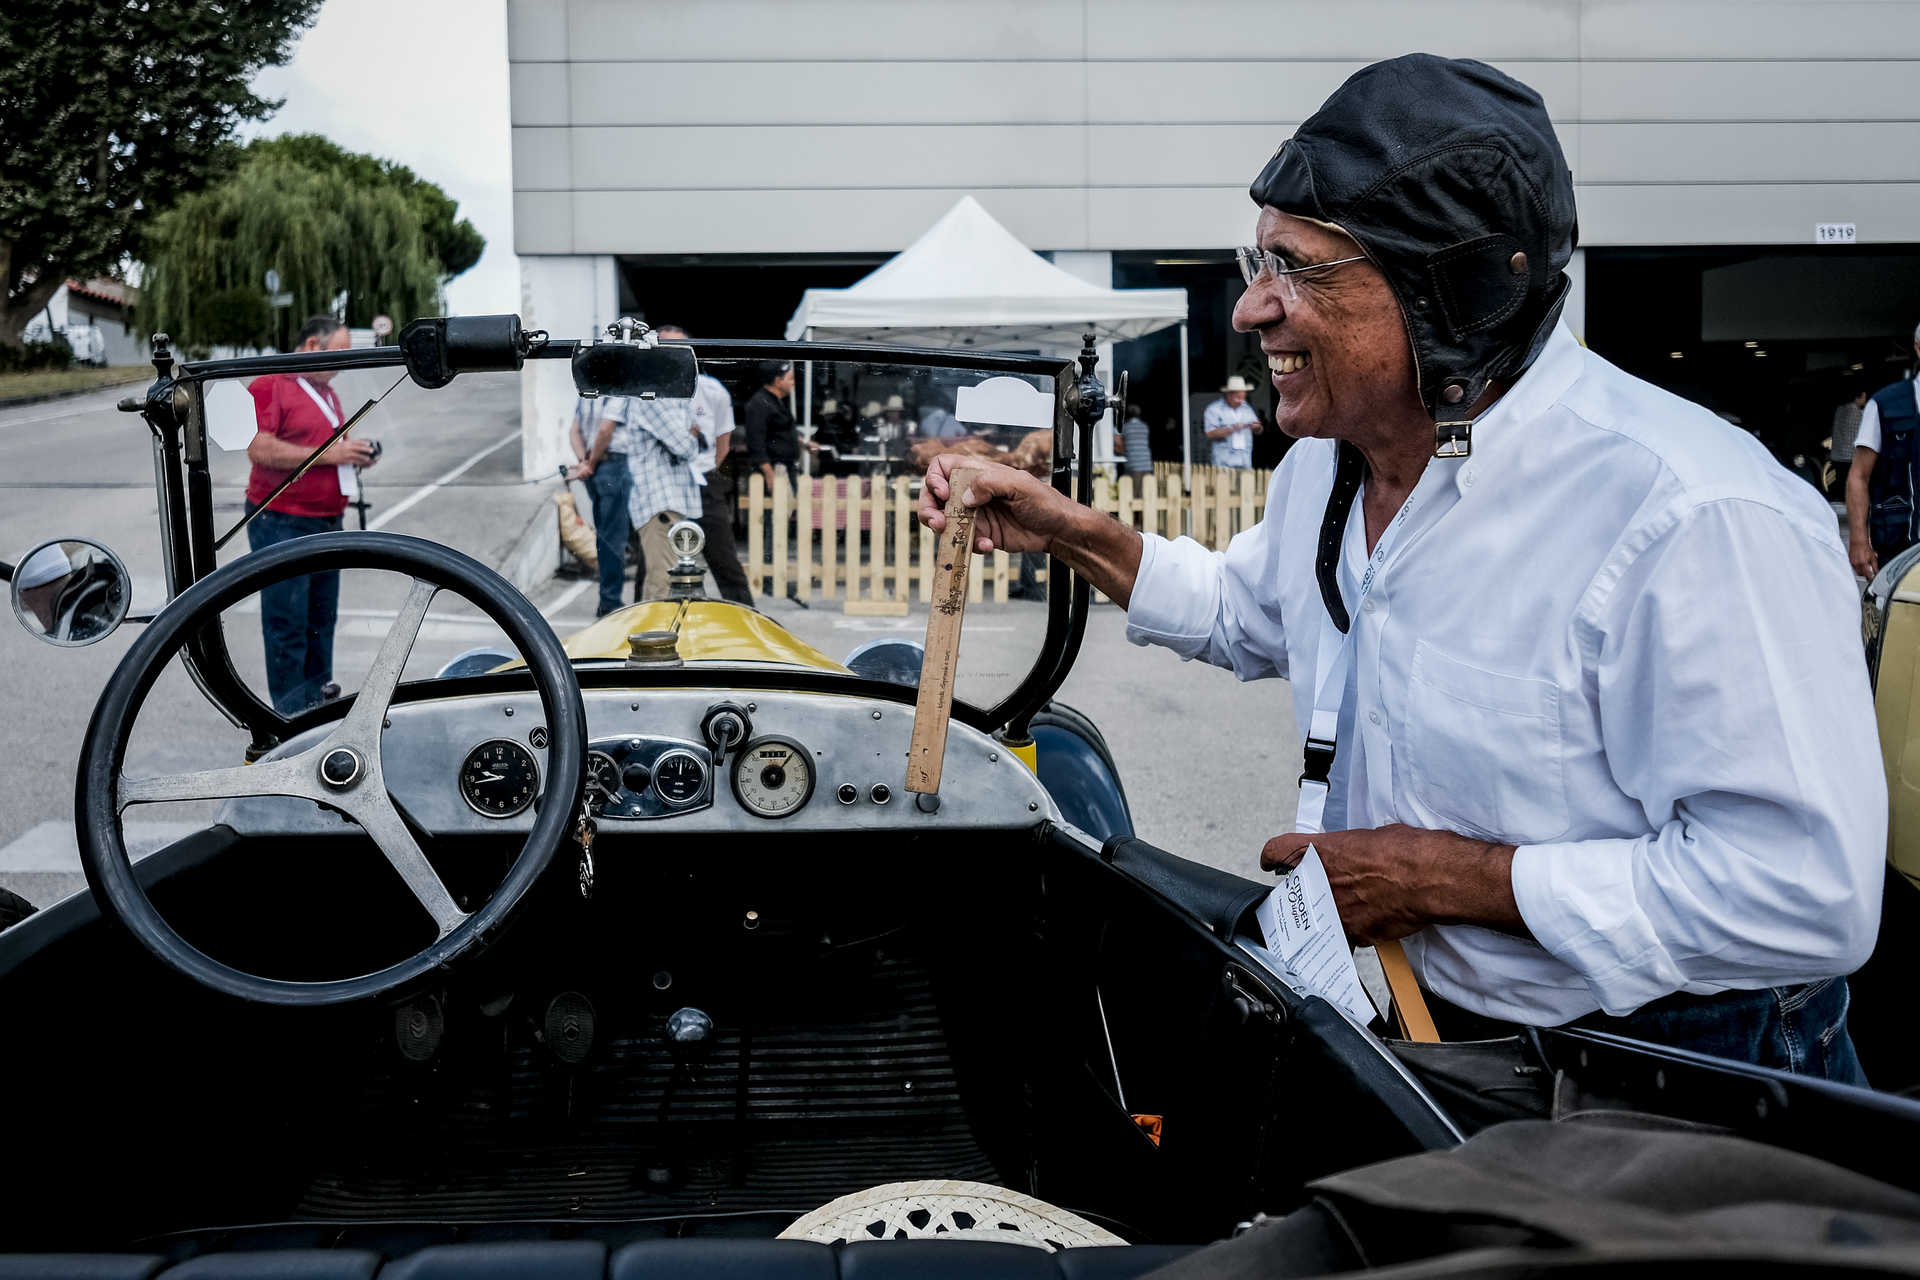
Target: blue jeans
{"x":1800,"y":1029}
{"x":297,"y":616}
{"x":610,"y":485}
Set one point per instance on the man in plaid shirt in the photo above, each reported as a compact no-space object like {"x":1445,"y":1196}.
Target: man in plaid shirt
{"x":664,"y":439}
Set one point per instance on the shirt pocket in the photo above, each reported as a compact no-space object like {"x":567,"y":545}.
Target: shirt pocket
{"x":1484,"y":750}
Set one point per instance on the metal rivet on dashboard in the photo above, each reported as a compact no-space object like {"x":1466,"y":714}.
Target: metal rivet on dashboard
{"x":753,"y":706}
{"x":1033,"y":806}
{"x":876,"y":715}
{"x":993,"y":757}
{"x":386,"y":724}
{"x":633,"y":706}
{"x":509,"y":711}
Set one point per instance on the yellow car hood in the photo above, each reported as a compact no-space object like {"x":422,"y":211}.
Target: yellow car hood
{"x":709,"y":631}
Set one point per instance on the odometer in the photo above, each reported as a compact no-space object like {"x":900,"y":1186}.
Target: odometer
{"x":499,"y":778}
{"x":772,"y":777}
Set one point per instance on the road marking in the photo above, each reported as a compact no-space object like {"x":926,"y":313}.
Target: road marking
{"x":567,"y":597}
{"x":98,"y":406}
{"x":426,"y":491}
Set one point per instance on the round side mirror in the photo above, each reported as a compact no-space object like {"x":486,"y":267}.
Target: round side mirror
{"x":71,"y":592}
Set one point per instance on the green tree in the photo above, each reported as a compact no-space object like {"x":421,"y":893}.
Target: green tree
{"x":325,"y":230}
{"x":110,"y":110}
{"x":451,"y":239}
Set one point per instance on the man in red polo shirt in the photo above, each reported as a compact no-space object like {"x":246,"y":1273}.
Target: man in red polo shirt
{"x":295,"y":413}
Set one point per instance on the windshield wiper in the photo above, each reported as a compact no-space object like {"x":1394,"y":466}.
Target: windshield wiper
{"x":305,"y":466}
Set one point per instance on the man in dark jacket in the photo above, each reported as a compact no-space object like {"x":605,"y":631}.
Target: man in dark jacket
{"x":772,"y":442}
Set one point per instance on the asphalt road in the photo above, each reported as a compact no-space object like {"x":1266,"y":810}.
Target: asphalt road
{"x":1208,"y":764}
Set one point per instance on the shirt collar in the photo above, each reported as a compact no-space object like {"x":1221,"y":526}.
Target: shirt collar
{"x":1537,"y":390}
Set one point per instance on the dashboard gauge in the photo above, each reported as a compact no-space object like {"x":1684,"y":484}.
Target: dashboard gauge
{"x":679,"y":777}
{"x":603,"y":780}
{"x":498,"y":778}
{"x":772,"y":777}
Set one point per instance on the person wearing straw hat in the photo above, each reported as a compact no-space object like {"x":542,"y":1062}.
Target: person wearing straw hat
{"x":1231,"y":423}
{"x":1547,"y":626}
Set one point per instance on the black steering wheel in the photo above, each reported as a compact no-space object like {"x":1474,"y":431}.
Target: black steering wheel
{"x":342,"y":771}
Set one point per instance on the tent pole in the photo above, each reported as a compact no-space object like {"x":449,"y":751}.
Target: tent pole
{"x":806,"y":407}
{"x":1186,"y":417}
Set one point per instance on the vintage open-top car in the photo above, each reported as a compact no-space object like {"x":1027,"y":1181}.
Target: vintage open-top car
{"x":628,"y":956}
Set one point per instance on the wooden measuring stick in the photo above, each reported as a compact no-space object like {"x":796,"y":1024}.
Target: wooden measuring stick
{"x":1409,"y":1006}
{"x":953,"y":556}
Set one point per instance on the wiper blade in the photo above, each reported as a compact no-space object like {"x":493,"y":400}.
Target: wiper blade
{"x":306,"y":465}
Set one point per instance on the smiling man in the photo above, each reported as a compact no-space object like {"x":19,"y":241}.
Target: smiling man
{"x":1550,"y":629}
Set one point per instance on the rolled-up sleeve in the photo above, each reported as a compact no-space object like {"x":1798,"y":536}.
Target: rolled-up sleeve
{"x":1735,"y":709}
{"x":1218,"y":606}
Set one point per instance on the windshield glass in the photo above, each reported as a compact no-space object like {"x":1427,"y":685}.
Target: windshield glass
{"x":805,"y":475}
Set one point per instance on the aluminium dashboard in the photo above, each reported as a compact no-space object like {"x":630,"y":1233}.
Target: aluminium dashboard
{"x":855,"y":746}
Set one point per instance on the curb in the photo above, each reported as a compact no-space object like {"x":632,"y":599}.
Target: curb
{"x":534,"y":556}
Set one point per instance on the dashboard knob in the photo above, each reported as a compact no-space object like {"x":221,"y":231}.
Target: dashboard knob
{"x":636,"y":778}
{"x":725,"y":727}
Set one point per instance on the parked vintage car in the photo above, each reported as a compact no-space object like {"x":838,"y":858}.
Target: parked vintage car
{"x":626,"y":956}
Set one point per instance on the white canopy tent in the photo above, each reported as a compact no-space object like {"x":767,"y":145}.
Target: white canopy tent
{"x":969,"y":282}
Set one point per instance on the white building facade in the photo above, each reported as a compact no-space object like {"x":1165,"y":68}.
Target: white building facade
{"x":704,"y":160}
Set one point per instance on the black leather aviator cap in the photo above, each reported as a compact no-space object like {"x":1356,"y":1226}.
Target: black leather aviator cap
{"x":1449,"y":176}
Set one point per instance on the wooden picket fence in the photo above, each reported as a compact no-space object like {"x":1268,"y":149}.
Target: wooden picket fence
{"x":864,"y":546}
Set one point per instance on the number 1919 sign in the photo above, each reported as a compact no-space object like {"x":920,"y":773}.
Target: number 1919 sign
{"x":1835,"y":233}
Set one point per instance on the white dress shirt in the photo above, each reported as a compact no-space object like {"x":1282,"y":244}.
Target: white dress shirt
{"x":1620,"y":637}
{"x":713,"y":417}
{"x":1868,"y":436}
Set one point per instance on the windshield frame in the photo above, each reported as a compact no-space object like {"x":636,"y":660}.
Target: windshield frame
{"x":174,"y":408}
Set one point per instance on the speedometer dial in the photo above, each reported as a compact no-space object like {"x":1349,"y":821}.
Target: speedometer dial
{"x":498,"y":778}
{"x":772,"y":777}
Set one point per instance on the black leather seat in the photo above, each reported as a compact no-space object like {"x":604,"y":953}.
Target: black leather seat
{"x":694,"y":1258}
{"x":545,"y":1259}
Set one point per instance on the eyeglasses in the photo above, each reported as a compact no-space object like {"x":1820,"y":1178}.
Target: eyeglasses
{"x":1256,"y":262}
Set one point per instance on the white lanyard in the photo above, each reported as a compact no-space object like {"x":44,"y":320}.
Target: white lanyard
{"x":332,"y":416}
{"x":1331,"y":663}
{"x":344,"y":474}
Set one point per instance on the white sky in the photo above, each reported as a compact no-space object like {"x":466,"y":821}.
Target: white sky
{"x":423,"y":82}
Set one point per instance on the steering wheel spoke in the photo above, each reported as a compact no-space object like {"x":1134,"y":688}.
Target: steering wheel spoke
{"x":290,"y":777}
{"x":377,"y":815}
{"x":361,"y":727}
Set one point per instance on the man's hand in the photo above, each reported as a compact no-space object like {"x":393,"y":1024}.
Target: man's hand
{"x":347,"y":451}
{"x":582,"y":471}
{"x":1389,"y":882}
{"x":1016,"y":511}
{"x":1860,"y":552}
{"x":1256,"y":426}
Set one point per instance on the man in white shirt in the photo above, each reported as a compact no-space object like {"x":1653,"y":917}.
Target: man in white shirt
{"x":1548,"y":627}
{"x":713,"y":419}
{"x":1231,"y":424}
{"x":1881,"y":520}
